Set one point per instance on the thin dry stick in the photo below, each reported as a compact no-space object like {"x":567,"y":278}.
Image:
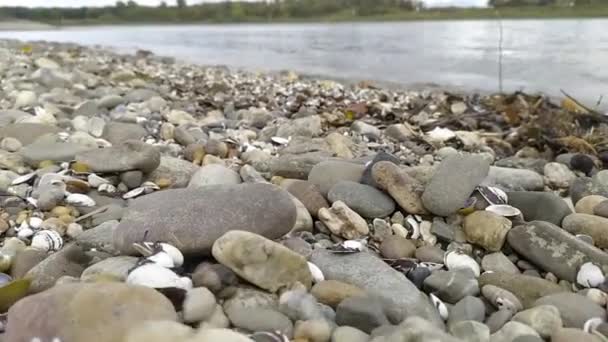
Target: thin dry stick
{"x":500,"y":51}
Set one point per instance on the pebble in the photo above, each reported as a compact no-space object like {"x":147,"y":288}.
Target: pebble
{"x":487,"y":230}
{"x":512,"y":330}
{"x":260,"y":261}
{"x":526,"y":288}
{"x":514,"y":179}
{"x":540,"y":206}
{"x":105,"y":322}
{"x":199,"y":305}
{"x":552,"y":248}
{"x":363,"y":313}
{"x":601,"y":209}
{"x":545,"y":319}
{"x":498,"y":262}
{"x":349,"y":334}
{"x":115,"y":267}
{"x":594,"y":226}
{"x":468,"y":308}
{"x":453,"y":182}
{"x":470,"y":331}
{"x":396,"y":247}
{"x":367,"y":201}
{"x":343,"y":221}
{"x":128,"y":156}
{"x":117,"y":132}
{"x":451,"y":286}
{"x":333,"y":292}
{"x":558,"y":175}
{"x":587,"y":204}
{"x":214,"y":174}
{"x":329,"y":173}
{"x":405,"y":190}
{"x":376,"y":277}
{"x":158,"y":331}
{"x":175,"y":216}
{"x":313,"y":331}
{"x":260,"y":319}
{"x":574,"y":309}
{"x":177,"y":172}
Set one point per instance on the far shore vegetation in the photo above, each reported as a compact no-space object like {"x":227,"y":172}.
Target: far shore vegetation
{"x":129,"y":12}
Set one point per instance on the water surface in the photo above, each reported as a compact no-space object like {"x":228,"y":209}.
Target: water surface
{"x":538,"y":55}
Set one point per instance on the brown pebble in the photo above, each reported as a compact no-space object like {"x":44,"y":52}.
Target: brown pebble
{"x":397,"y":247}
{"x":216,"y":148}
{"x":333,"y":292}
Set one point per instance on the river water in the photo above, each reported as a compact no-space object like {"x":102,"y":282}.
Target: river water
{"x":538,"y":55}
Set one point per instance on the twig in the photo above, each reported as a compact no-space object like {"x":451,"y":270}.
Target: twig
{"x":500,"y":51}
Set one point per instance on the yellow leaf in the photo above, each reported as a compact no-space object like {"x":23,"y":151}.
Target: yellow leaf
{"x":12,"y":292}
{"x":26,"y":49}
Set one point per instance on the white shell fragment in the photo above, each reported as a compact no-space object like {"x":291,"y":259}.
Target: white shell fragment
{"x":144,"y":189}
{"x":493,"y":195}
{"x":414,"y":223}
{"x":279,"y":140}
{"x":25,"y":233}
{"x":440,"y":306}
{"x":455,"y":260}
{"x":315,"y":271}
{"x":47,"y":240}
{"x":158,"y":277}
{"x":95,"y":181}
{"x":107,"y":188}
{"x":504,"y":210}
{"x":23,"y":179}
{"x":590,"y":275}
{"x":591,"y":325}
{"x":35,"y":222}
{"x":441,"y":134}
{"x":80,"y":200}
{"x":163,"y":254}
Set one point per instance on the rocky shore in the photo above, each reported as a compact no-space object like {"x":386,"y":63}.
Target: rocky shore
{"x":143,"y":199}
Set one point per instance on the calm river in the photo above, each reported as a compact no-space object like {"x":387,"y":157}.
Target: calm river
{"x":538,"y":55}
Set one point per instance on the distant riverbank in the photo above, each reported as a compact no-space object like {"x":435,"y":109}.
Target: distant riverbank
{"x":525,"y":12}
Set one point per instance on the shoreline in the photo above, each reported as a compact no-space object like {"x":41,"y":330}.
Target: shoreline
{"x":200,"y":203}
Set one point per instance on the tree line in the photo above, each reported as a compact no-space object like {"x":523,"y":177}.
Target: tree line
{"x":130,"y":11}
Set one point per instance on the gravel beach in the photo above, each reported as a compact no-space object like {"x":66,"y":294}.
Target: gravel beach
{"x":145,"y":199}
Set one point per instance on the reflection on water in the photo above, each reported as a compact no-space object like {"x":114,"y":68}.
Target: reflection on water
{"x":545,"y":55}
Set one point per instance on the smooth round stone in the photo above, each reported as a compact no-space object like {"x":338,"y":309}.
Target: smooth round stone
{"x":379,"y":157}
{"x":215,"y":277}
{"x":193,"y":219}
{"x":540,"y":206}
{"x":313,"y":331}
{"x":451,"y":286}
{"x":553,"y":249}
{"x":486,"y":229}
{"x":308,"y":193}
{"x":366,"y":129}
{"x":132,"y":179}
{"x":396,"y":247}
{"x":367,"y":201}
{"x":199,"y":305}
{"x":362,"y":313}
{"x":430,"y":254}
{"x":527,"y":289}
{"x":34,"y":153}
{"x":260,"y":319}
{"x":512,"y":330}
{"x":545,"y":319}
{"x":26,"y":98}
{"x":574,"y":309}
{"x":333,"y":292}
{"x":498,"y":319}
{"x":328,"y":173}
{"x":453,"y":182}
{"x":498,"y":262}
{"x":582,"y":162}
{"x":587,"y":204}
{"x":214,"y":174}
{"x":349,"y":334}
{"x":558,"y":175}
{"x":104,"y":310}
{"x":116,"y":267}
{"x":262,"y":262}
{"x":571,"y":334}
{"x":128,"y":156}
{"x":25,"y":260}
{"x":224,"y":335}
{"x":376,"y":277}
{"x":467,"y":309}
{"x":110,"y":101}
{"x":177,"y":171}
{"x":470,"y":331}
{"x":10,"y":144}
{"x":299,"y":305}
{"x":580,"y":188}
{"x":159,"y":331}
{"x":594,"y":226}
{"x":298,"y":245}
{"x":514,"y":179}
{"x":601,"y":209}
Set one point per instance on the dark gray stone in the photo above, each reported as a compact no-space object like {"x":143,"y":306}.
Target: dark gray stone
{"x":192,"y":219}
{"x":553,"y":249}
{"x":367,"y":173}
{"x":540,"y":206}
{"x":451,"y":286}
{"x":467,"y":309}
{"x":453,"y":182}
{"x":362,"y":313}
{"x":329,"y":173}
{"x":367,"y":201}
{"x":128,"y":156}
{"x":574,"y":309}
{"x":401,"y":298}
